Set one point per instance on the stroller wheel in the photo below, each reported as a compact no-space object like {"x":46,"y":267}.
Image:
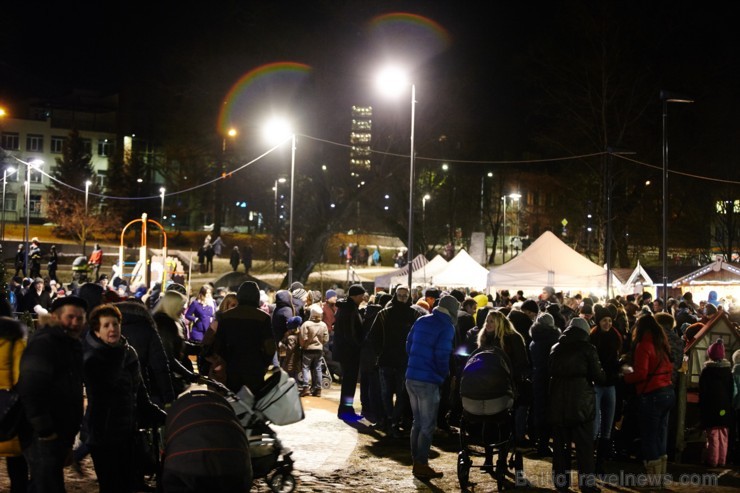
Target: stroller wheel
{"x":463,"y":469}
{"x":282,"y":482}
{"x":326,"y":382}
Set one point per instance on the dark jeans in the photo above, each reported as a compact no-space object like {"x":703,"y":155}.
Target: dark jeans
{"x":370,"y":397}
{"x":350,"y":374}
{"x":45,"y":460}
{"x":114,"y":466}
{"x":18,"y":474}
{"x":311,"y":367}
{"x":654,"y":408}
{"x":582,"y":436}
{"x":393,"y":383}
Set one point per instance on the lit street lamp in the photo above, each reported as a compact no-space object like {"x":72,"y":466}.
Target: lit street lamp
{"x":667,"y":97}
{"x":29,"y":165}
{"x":513,"y":196}
{"x":275,"y":225}
{"x":392,"y":79}
{"x":84,"y":234}
{"x":161,"y":208}
{"x":7,"y":171}
{"x":279,"y":130}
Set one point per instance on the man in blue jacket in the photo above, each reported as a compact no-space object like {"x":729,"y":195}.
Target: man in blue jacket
{"x":429,"y":346}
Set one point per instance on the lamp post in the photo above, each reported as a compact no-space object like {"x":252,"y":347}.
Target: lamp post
{"x":278,"y":129}
{"x":275,"y":226}
{"x":667,"y":97}
{"x":392,"y":78}
{"x":6,"y":172}
{"x":512,"y":196}
{"x":161,"y":217}
{"x":29,"y":165}
{"x":84,"y":234}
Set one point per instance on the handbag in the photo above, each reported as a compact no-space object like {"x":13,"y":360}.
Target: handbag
{"x":11,"y":412}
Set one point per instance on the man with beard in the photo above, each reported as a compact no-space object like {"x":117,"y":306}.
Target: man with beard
{"x":388,"y":337}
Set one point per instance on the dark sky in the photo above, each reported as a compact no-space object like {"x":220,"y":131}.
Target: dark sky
{"x":483,"y":73}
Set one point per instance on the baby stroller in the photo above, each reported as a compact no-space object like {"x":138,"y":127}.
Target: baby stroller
{"x":486,"y":424}
{"x":326,"y":378}
{"x":202,"y":452}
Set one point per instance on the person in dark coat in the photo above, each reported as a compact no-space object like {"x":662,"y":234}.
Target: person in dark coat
{"x":140,"y":330}
{"x":284,"y":310}
{"x":50,"y":387}
{"x":167,"y":316}
{"x":244,"y":340}
{"x":370,"y":397}
{"x":544,"y":336}
{"x":523,"y":317}
{"x":388,"y":339}
{"x":53,"y":264}
{"x":234,"y":258}
{"x":574,"y":369}
{"x":118,"y":404}
{"x":247,"y":258}
{"x":347,"y":348}
{"x":715,"y":403}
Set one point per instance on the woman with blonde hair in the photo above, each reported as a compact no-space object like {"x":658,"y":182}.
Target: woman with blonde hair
{"x":168,"y":317}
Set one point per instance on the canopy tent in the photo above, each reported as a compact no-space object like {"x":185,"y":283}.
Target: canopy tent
{"x":463,"y":271}
{"x":384,"y":281}
{"x":548,"y":262}
{"x":423,"y":275}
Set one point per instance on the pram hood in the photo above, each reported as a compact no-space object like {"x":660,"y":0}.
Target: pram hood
{"x":278,"y":402}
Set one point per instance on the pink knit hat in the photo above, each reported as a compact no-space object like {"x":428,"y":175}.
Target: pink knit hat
{"x":716,"y":350}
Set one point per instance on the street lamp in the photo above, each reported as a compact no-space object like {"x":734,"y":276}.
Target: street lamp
{"x":512,"y":196}
{"x":29,"y":165}
{"x":84,"y":235}
{"x":161,"y":208}
{"x":7,"y":171}
{"x":667,"y":97}
{"x":393,"y":79}
{"x":278,"y":129}
{"x":275,"y":225}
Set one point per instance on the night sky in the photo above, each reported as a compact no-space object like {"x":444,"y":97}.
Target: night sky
{"x":487,"y":79}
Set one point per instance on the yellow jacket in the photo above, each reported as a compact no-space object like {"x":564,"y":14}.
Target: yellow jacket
{"x":10,"y":360}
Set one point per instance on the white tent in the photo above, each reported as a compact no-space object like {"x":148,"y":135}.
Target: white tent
{"x":548,"y":262}
{"x":423,"y":275}
{"x":463,"y":271}
{"x":384,"y":281}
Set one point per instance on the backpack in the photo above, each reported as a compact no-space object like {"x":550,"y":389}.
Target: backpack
{"x":487,"y":375}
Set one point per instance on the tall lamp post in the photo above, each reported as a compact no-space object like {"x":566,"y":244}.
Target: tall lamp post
{"x":29,"y":165}
{"x":6,"y":172}
{"x":84,"y":235}
{"x":275,"y":226}
{"x":393,"y":79}
{"x":512,"y":196}
{"x":667,"y":97}
{"x":161,"y":215}
{"x":278,"y":129}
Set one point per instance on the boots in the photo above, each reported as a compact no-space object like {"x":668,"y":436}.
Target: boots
{"x":663,"y":465}
{"x":653,"y":468}
{"x":603,"y":452}
{"x":305,"y":392}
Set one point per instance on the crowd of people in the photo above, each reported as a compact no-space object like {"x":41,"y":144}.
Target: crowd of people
{"x":599,"y":375}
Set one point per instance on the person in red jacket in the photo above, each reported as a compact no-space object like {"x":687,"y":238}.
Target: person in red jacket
{"x":651,"y":376}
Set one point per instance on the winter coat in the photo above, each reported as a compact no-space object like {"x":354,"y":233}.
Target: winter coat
{"x":429,"y":346}
{"x":368,"y":359}
{"x":736,"y":384}
{"x":389,"y":332}
{"x":140,"y":330}
{"x":291,"y":363}
{"x":544,"y":337}
{"x":234,"y":259}
{"x":50,"y":386}
{"x":118,"y":403}
{"x":348,"y":335}
{"x":521,"y":323}
{"x":245,"y":343}
{"x":650,"y":373}
{"x":574,"y":369}
{"x":174,"y":346}
{"x":330,"y":309}
{"x":201,"y":316}
{"x":313,"y":335}
{"x":715,"y":394}
{"x":284,"y":309}
{"x":12,"y":343}
{"x":608,"y":346}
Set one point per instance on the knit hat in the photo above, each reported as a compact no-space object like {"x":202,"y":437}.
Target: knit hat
{"x":600,"y":312}
{"x":530,"y":305}
{"x":248,"y":294}
{"x":300,"y":293}
{"x":580,"y":323}
{"x":451,"y":306}
{"x":432,"y":292}
{"x":716,"y":350}
{"x":293,"y":323}
{"x":316,"y":310}
{"x":295,"y":285}
{"x":546,"y":319}
{"x":481,"y":300}
{"x":587,"y":309}
{"x":330,"y":293}
{"x":355,"y":290}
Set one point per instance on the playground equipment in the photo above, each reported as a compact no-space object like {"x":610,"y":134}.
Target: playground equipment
{"x":144,"y":270}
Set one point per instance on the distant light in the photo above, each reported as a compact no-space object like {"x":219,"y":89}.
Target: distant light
{"x":392,"y":80}
{"x":387,"y":196}
{"x":139,"y":180}
{"x":386,"y":207}
{"x":445,"y":166}
{"x":490,"y":174}
{"x":647,"y":183}
{"x":323,"y":167}
{"x":333,"y":205}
